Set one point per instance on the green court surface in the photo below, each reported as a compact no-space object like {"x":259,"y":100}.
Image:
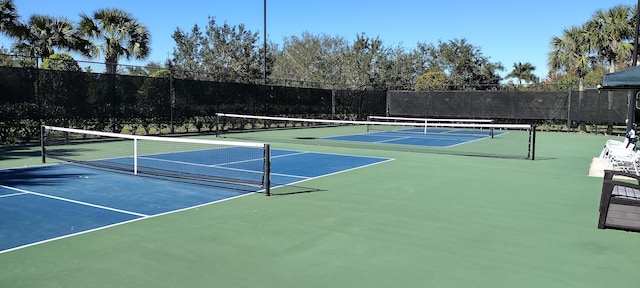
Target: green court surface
{"x":422,"y":220}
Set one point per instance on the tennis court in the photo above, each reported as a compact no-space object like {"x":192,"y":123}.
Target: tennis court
{"x":435,"y":137}
{"x":42,"y":203}
{"x":422,"y":220}
{"x":445,"y":136}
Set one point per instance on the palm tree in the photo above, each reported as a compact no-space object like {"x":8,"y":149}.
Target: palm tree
{"x":570,"y":53}
{"x":608,"y":31}
{"x":9,"y":23}
{"x":116,"y":34}
{"x":43,"y":34}
{"x":523,"y":72}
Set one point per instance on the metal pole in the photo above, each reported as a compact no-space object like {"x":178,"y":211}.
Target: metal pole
{"x":43,"y":150}
{"x":267,"y":170}
{"x":630,"y":109}
{"x":264,"y":46}
{"x":631,"y":94}
{"x":635,"y":43}
{"x":569,"y":111}
{"x":172,"y":98}
{"x":264,"y":58}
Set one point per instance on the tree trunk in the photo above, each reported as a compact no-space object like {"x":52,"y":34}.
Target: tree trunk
{"x":583,"y":125}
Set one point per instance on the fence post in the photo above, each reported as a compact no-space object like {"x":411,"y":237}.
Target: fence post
{"x":172,"y":98}
{"x":333,"y":103}
{"x":569,"y":111}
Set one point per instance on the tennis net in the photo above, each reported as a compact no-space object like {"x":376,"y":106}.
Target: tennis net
{"x":378,"y":125}
{"x":472,"y":139}
{"x":234,"y":165}
{"x":426,"y":120}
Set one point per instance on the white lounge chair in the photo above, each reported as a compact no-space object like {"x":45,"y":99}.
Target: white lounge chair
{"x":628,"y":162}
{"x":615,"y":145}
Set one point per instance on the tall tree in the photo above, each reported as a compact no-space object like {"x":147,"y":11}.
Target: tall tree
{"x":610,"y":32}
{"x":523,"y":72}
{"x":399,"y":70}
{"x":220,"y":53}
{"x":231,"y":52}
{"x":364,"y":62}
{"x":489,"y":77}
{"x":425,"y":56}
{"x":42,"y":35}
{"x":311,"y":59}
{"x":116,"y":34}
{"x":464,"y":63}
{"x":187,"y":56}
{"x":9,"y":19}
{"x":570,"y":53}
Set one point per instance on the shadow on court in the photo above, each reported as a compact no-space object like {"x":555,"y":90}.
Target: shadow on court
{"x":24,"y":177}
{"x":10,"y":152}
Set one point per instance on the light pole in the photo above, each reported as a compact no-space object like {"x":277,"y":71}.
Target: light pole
{"x":264,"y":46}
{"x":632,"y":95}
{"x":264,"y":58}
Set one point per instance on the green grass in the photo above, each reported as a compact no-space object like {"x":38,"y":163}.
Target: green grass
{"x":422,"y":220}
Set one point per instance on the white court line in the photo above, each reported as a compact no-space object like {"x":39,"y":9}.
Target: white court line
{"x":13,"y":194}
{"x":173,"y":161}
{"x":74,"y":201}
{"x":294,"y":153}
{"x":393,"y":139}
{"x":291,"y":176}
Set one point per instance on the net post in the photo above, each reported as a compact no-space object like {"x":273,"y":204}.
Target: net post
{"x":217,"y":125}
{"x":135,"y":156}
{"x":42,"y":143}
{"x":267,"y":169}
{"x":533,"y":142}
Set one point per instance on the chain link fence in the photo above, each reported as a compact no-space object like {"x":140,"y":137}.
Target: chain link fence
{"x":156,"y":105}
{"x":165,"y":104}
{"x":558,"y":107}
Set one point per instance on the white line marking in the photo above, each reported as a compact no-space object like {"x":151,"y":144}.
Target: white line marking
{"x":75,"y":201}
{"x":290,"y":154}
{"x":291,"y":176}
{"x":12,"y":194}
{"x":393,"y":139}
{"x":174,"y":161}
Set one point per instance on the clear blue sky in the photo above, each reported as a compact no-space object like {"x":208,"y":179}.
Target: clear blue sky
{"x":505,"y":31}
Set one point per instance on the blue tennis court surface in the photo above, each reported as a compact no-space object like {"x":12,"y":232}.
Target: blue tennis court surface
{"x":435,"y":137}
{"x":42,"y":203}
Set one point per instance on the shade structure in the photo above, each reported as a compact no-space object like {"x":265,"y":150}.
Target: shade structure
{"x":628,"y":79}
